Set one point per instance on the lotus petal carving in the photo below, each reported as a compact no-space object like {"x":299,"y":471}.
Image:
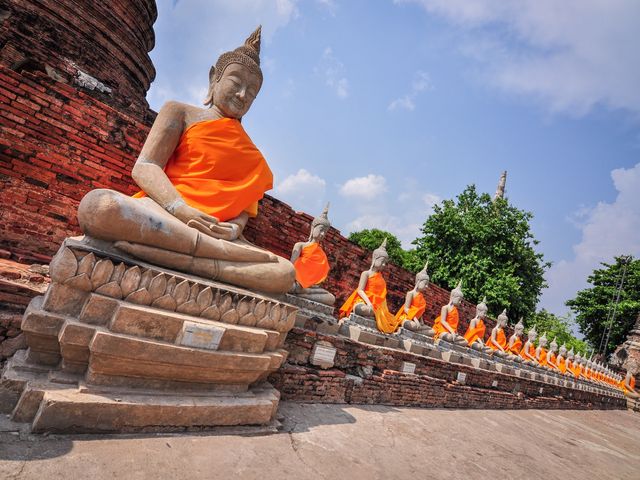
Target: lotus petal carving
{"x":101,"y":272}
{"x":63,"y":265}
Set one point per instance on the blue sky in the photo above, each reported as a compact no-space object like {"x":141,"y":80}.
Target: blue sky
{"x":387,"y":107}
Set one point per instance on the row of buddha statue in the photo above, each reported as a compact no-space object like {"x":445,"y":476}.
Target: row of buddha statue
{"x":200,"y":179}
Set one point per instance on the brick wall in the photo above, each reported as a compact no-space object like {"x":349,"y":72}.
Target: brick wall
{"x":433,"y":385}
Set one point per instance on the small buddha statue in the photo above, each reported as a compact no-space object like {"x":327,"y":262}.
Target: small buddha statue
{"x":311,"y":263}
{"x":497,"y":341}
{"x":476,"y":330}
{"x":541,"y":351}
{"x":528,"y":352}
{"x":561,"y":359}
{"x":577,"y":366}
{"x":200,"y":177}
{"x":569,"y":363}
{"x":370,"y":298}
{"x":410,"y":314}
{"x":445,"y":326}
{"x":552,"y":355}
{"x":514,"y":346}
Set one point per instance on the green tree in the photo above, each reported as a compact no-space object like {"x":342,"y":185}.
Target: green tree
{"x":556,"y":327}
{"x":372,"y":238}
{"x":489,"y":246}
{"x":593,"y":305}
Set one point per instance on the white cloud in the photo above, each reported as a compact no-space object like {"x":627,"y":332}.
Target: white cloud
{"x":420,"y":83}
{"x":572,"y":55}
{"x":333,"y":72}
{"x":303,"y":190}
{"x":608,"y":229}
{"x":182,"y":70}
{"x":364,"y":188}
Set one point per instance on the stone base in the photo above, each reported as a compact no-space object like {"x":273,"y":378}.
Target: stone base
{"x":313,"y":315}
{"x":364,"y":330}
{"x":120,"y":345}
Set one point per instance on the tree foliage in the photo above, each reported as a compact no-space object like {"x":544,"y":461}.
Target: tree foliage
{"x":556,"y":327}
{"x":489,"y":246}
{"x":372,"y":238}
{"x":593,"y":305}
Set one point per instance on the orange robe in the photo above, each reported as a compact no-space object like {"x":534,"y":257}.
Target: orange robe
{"x":561,"y":363}
{"x":577,"y":370}
{"x":632,"y":384}
{"x":501,"y":339}
{"x":516,"y":348}
{"x":312,"y":266}
{"x":532,"y":353}
{"x":376,"y":291}
{"x":477,"y":333}
{"x":217,"y":169}
{"x":551,"y":360}
{"x":452,"y":319}
{"x":543,"y":358}
{"x":416,"y":309}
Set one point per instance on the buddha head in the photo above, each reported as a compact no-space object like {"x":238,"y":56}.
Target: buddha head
{"x":320,"y":225}
{"x":563,"y":350}
{"x":542,"y":341}
{"x":482,"y":309}
{"x":456,"y":295}
{"x":519,"y":328}
{"x":503,"y":319}
{"x":236,"y":78}
{"x":380,"y":257}
{"x":532,"y":334}
{"x":422,"y":279}
{"x":553,"y":346}
{"x":578,"y":358}
{"x":570,"y":354}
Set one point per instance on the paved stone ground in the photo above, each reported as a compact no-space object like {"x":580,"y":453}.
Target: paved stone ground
{"x":351,"y":442}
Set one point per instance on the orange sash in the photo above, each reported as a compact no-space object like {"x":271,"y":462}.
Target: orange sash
{"x":452,"y":319}
{"x":476,"y":333}
{"x":562,"y":364}
{"x":416,"y":309}
{"x":312,"y":266}
{"x":217,"y":169}
{"x":516,"y":348}
{"x":501,"y":339}
{"x":532,"y":353}
{"x":376,"y":290}
{"x":551,"y":360}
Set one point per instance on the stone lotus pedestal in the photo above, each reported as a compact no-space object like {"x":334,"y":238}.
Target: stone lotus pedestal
{"x":118,"y":345}
{"x":313,"y":315}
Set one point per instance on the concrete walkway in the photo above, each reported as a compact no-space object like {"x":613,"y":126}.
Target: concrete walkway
{"x":352,"y":442}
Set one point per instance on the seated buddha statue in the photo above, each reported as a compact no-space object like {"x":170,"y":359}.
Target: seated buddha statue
{"x":577,"y":366}
{"x":410,"y":314}
{"x":528,"y":352}
{"x":370,"y":298}
{"x":552,"y":355}
{"x":628,"y":385}
{"x":514,"y":346}
{"x":476,"y":330}
{"x":311,"y":263}
{"x":561,"y":359}
{"x":586,"y":368}
{"x":542,"y":352}
{"x":497,"y":341}
{"x":200,"y":177}
{"x":570,"y":361}
{"x":445,"y":326}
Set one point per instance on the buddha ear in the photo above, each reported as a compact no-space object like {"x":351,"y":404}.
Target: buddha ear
{"x":212,"y":74}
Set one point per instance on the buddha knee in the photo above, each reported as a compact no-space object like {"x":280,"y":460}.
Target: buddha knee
{"x":97,"y":209}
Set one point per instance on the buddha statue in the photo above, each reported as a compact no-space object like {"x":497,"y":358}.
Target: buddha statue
{"x":541,"y":351}
{"x":577,"y":366}
{"x":628,"y":385}
{"x":528,"y":352}
{"x":514,"y":346}
{"x":200,"y":177}
{"x":410,"y":314}
{"x":476,"y":330}
{"x":561,"y":359}
{"x":569,"y":363}
{"x":445,"y":326}
{"x":311,"y":263}
{"x":370,"y":298}
{"x":552,"y":355}
{"x":497,"y":341}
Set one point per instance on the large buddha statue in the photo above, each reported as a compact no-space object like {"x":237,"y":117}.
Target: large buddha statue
{"x":628,"y":385}
{"x":445,"y":326}
{"x":528,"y":352}
{"x":476,"y":330}
{"x":497,"y":341}
{"x":311,"y":263}
{"x":410,"y":314}
{"x":514,"y":346}
{"x":200,"y":177}
{"x":370,"y":298}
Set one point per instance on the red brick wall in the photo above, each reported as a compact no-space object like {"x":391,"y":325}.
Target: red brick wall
{"x":434,"y":384}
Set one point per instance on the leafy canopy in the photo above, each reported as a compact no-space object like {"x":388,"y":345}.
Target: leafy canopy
{"x":593,"y":305}
{"x":489,"y":246}
{"x":372,"y":238}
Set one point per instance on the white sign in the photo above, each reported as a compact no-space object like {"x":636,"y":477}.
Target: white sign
{"x":323,"y":355}
{"x":408,"y":367}
{"x":199,"y":335}
{"x":462,"y":377}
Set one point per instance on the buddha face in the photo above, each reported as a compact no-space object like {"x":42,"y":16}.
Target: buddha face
{"x":456,"y":300}
{"x":502,"y":321}
{"x":379,"y":262}
{"x":563,"y":351}
{"x":543,"y":341}
{"x":481,"y":311}
{"x":422,"y":285}
{"x":319,"y":232}
{"x":236,"y":90}
{"x":532,"y":335}
{"x":519,"y":329}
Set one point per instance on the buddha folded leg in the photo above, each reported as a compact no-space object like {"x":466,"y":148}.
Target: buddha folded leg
{"x":143,"y":229}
